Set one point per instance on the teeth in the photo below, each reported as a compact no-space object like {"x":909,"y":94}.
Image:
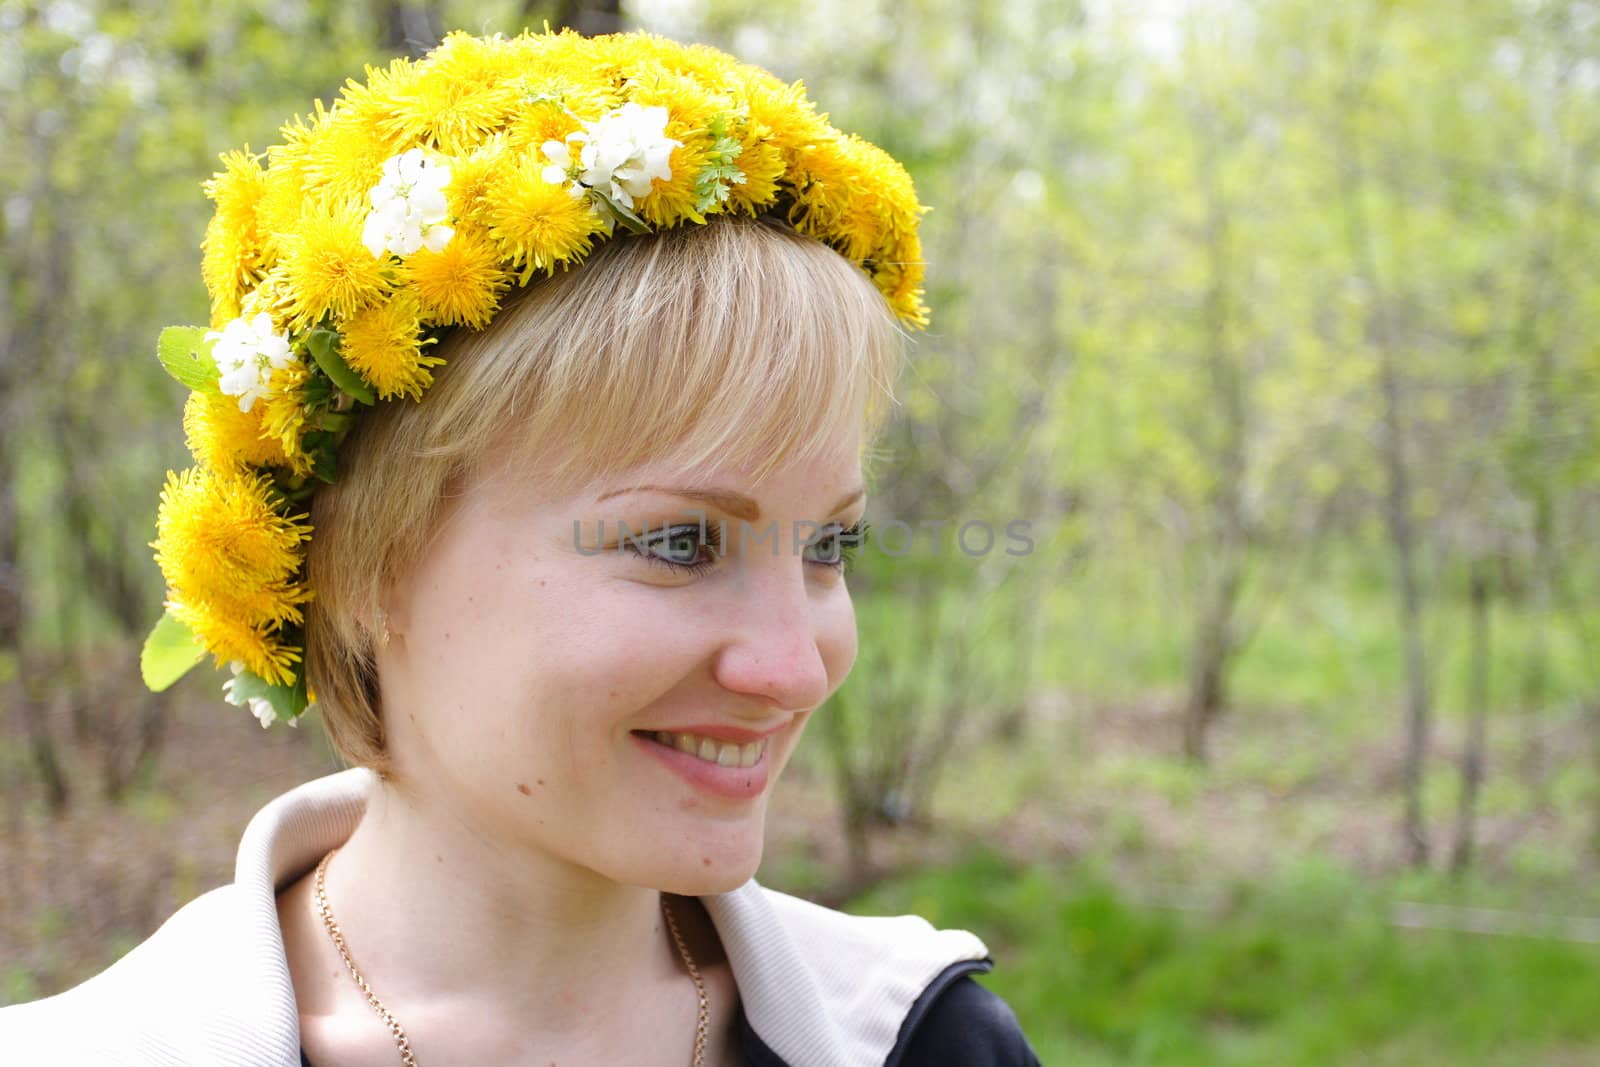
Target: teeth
{"x":722,"y":753}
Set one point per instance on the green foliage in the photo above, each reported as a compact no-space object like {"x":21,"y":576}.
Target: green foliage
{"x":169,"y":653}
{"x":720,"y":170}
{"x":289,"y":701}
{"x":1305,"y":969}
{"x":324,"y":347}
{"x":186,"y":354}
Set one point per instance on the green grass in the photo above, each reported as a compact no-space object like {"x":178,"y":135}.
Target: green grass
{"x":1305,"y":970}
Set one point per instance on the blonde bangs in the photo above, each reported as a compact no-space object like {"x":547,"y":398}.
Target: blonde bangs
{"x":737,"y":342}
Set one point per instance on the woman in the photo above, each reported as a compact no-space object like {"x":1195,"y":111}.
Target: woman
{"x":568,"y":590}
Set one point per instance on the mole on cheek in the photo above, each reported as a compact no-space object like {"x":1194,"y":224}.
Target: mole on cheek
{"x":522,"y":787}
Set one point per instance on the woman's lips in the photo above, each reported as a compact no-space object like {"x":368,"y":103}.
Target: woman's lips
{"x":731,"y":783}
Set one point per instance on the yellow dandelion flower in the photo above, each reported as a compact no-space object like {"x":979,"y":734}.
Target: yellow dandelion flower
{"x":326,"y":268}
{"x":470,"y":176}
{"x":483,"y":60}
{"x":259,"y":646}
{"x":763,"y":164}
{"x":536,"y":223}
{"x":638,"y":49}
{"x":460,"y":285}
{"x":370,"y":105}
{"x":860,"y":227}
{"x":344,"y":156}
{"x":223,"y":438}
{"x":384,"y":345}
{"x":691,"y":106}
{"x":230,"y":260}
{"x":854,"y":196}
{"x":544,"y":120}
{"x":220,"y":541}
{"x":791,"y":119}
{"x":286,"y":183}
{"x":899,"y":277}
{"x":457,"y":95}
{"x":826,"y":176}
{"x":541,"y":55}
{"x":283,"y":414}
{"x":711,"y":65}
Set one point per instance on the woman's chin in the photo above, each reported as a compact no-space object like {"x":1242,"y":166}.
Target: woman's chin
{"x":708,"y":874}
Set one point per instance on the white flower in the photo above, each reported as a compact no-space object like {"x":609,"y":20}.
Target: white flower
{"x":622,"y":153}
{"x":408,"y":206}
{"x":247,"y":351}
{"x":260,"y":707}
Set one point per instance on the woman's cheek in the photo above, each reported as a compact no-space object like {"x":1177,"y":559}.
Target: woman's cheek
{"x":840,"y":643}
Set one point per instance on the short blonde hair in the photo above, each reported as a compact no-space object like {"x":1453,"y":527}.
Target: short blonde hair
{"x":738,"y":340}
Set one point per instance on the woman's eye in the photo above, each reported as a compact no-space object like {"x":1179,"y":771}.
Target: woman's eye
{"x":682,"y":547}
{"x":837,"y":545}
{"x":678,"y":547}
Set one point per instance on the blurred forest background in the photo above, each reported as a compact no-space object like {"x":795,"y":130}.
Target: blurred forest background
{"x":1279,"y":319}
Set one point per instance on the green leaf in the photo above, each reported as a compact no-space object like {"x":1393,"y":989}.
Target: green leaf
{"x":711,"y":184}
{"x":628,"y":219}
{"x":169,"y":652}
{"x":186,"y":354}
{"x":324,"y":345}
{"x":321,"y":446}
{"x":287,"y":700}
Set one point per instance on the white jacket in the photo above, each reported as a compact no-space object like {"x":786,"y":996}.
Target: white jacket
{"x":211,"y":987}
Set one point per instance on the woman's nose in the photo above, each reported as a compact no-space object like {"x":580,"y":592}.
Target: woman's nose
{"x":775,"y":648}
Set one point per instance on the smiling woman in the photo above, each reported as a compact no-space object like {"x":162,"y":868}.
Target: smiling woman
{"x":561,"y":752}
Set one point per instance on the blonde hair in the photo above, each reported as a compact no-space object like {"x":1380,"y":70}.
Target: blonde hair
{"x":738,"y":340}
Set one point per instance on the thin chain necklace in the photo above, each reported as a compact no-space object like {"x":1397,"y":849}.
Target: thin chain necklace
{"x":398,"y":1032}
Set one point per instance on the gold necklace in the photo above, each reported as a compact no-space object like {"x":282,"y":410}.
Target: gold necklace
{"x":398,"y":1032}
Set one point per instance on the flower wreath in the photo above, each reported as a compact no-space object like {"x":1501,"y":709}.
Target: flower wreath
{"x":410,"y":206}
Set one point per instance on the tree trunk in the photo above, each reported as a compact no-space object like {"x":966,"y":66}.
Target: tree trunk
{"x":1208,"y":666}
{"x":1403,"y":539}
{"x":1478,"y":696}
{"x":42,"y":746}
{"x":589,"y":17}
{"x":1536,"y":672}
{"x":1212,"y":650}
{"x":1352,"y":181}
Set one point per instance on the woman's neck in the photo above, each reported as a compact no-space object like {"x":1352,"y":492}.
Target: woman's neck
{"x":459,"y":933}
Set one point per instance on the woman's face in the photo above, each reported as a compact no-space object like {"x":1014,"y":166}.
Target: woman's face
{"x":538,"y":654}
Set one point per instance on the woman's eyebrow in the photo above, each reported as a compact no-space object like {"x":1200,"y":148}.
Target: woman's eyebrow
{"x":736,"y":504}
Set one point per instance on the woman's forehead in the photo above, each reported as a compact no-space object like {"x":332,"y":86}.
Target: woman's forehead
{"x":824,"y":479}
